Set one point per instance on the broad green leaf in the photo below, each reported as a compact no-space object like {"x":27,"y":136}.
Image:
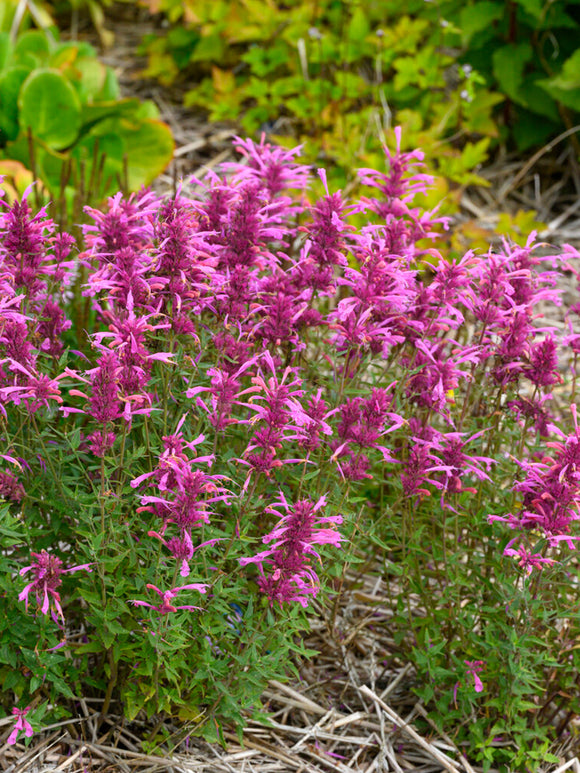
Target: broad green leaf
{"x":93,"y":114}
{"x":148,"y":145}
{"x":358,"y":27}
{"x":570,"y":97}
{"x":33,"y":43}
{"x":110,"y":90}
{"x":209,"y":49}
{"x":79,"y":46}
{"x":538,"y":100}
{"x":50,"y":106}
{"x":90,"y":78}
{"x":529,"y":131}
{"x":475,"y":153}
{"x":11,"y":81}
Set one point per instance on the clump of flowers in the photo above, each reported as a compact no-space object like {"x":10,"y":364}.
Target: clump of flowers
{"x":248,"y":389}
{"x":47,"y":570}
{"x":291,"y":576}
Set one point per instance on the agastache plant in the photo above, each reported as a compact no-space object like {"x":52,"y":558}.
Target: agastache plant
{"x":270,"y":396}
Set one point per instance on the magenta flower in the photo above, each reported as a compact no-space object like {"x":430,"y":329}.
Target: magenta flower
{"x":22,"y":724}
{"x":47,"y":570}
{"x":543,"y":367}
{"x":36,"y":389}
{"x":165,"y":607}
{"x":527,"y":560}
{"x":291,"y":576}
{"x":474,"y":668}
{"x":273,"y":167}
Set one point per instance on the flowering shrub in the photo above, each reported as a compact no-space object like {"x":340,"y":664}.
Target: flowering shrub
{"x":218,"y":401}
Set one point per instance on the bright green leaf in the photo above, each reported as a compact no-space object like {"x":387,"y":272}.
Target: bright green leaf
{"x":50,"y":106}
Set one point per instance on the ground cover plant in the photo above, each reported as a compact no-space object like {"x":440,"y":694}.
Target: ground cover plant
{"x":334,"y":74}
{"x":213,"y":404}
{"x":446,"y":65}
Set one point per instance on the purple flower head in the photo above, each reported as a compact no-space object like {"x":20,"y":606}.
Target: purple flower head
{"x":100,"y":443}
{"x":104,"y":402}
{"x":543,"y":367}
{"x":183,"y":260}
{"x":416,"y":470}
{"x":51,"y":325}
{"x":535,"y":412}
{"x":439,"y":374}
{"x":402,"y":181}
{"x":125,"y":224}
{"x":363,"y":420}
{"x":23,"y":244}
{"x":326,"y":243}
{"x":35,"y":389}
{"x":458,"y":463}
{"x":291,"y":576}
{"x":315,"y":414}
{"x":47,"y":571}
{"x":14,"y":341}
{"x":551,"y":492}
{"x":273,"y":167}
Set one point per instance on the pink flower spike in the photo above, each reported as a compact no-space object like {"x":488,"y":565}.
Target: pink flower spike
{"x":22,"y":724}
{"x":47,"y":570}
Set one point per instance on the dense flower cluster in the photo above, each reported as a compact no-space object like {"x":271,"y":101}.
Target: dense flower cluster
{"x":260,"y":368}
{"x":291,"y":576}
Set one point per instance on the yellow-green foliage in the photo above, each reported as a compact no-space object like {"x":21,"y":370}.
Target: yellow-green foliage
{"x":337,"y":75}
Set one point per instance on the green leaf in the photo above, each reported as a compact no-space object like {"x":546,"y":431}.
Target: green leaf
{"x":50,"y":106}
{"x":537,"y":99}
{"x":33,"y":43}
{"x":569,"y":97}
{"x":535,"y":8}
{"x":92,"y":114}
{"x":358,"y":27}
{"x":74,"y":438}
{"x":61,"y":686}
{"x":11,"y":81}
{"x":110,"y":90}
{"x":569,"y":77}
{"x":478,"y":17}
{"x":5,"y":49}
{"x":150,"y":149}
{"x":475,"y":153}
{"x":508,"y":66}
